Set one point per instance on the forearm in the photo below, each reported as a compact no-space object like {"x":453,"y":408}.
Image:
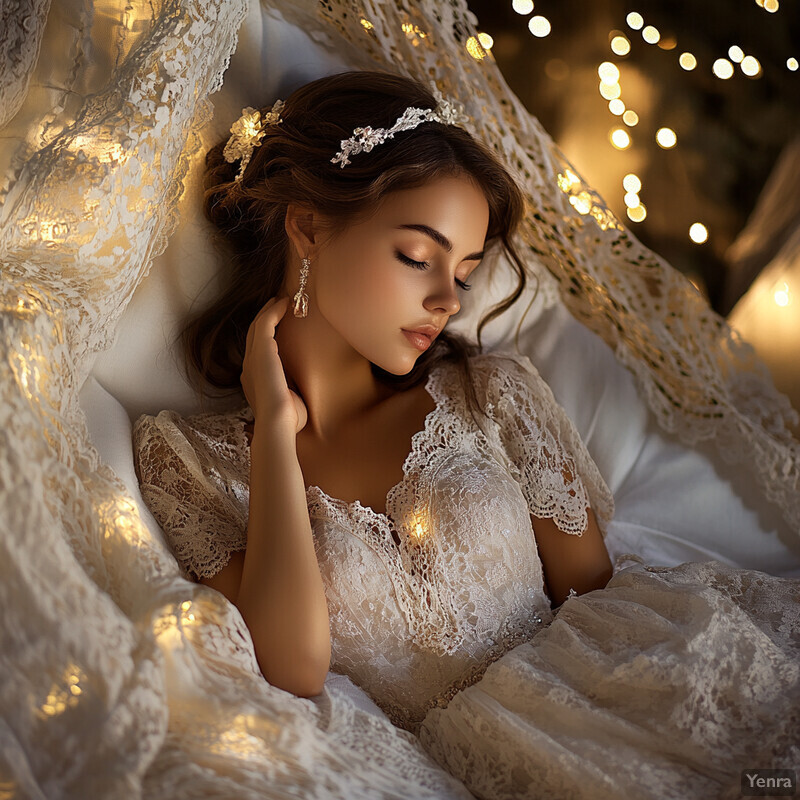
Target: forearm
{"x":281,"y":595}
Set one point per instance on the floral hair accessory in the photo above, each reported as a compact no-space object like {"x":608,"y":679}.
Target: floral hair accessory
{"x":247,"y":132}
{"x":364,"y":139}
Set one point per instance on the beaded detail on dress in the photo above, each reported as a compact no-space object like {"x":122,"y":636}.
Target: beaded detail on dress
{"x":424,"y":597}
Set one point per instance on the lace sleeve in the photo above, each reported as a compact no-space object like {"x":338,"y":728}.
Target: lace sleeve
{"x":548,"y":457}
{"x":194,"y":475}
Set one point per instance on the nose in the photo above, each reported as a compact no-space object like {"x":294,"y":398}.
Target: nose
{"x":444,"y":301}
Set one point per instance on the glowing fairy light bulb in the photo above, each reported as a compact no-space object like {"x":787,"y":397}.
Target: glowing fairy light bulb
{"x":723,"y":69}
{"x":735,"y":54}
{"x":630,"y":118}
{"x":687,"y":61}
{"x":523,"y":7}
{"x":651,"y":34}
{"x":698,"y":233}
{"x":539,"y":26}
{"x":616,"y":107}
{"x":620,"y":138}
{"x":782,"y":296}
{"x":632,"y":200}
{"x":608,"y":72}
{"x":666,"y":138}
{"x":791,"y":64}
{"x":635,"y":20}
{"x":750,"y":66}
{"x":637,"y":213}
{"x":486,"y":41}
{"x":620,"y":45}
{"x":632,"y":183}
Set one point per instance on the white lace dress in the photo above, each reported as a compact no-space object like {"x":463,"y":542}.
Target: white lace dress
{"x":662,"y":684}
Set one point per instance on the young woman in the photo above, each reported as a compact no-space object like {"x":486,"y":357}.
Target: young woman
{"x":392,"y":503}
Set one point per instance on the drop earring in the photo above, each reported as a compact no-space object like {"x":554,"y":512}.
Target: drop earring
{"x":301,"y":298}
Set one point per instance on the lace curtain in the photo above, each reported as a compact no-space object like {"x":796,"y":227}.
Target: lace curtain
{"x":88,"y":197}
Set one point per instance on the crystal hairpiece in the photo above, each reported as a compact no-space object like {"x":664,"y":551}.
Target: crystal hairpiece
{"x":247,"y":132}
{"x":364,"y":139}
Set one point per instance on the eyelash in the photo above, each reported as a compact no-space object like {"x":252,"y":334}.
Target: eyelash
{"x":424,"y":265}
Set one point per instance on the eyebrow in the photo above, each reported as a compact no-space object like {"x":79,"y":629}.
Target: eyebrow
{"x":440,"y":239}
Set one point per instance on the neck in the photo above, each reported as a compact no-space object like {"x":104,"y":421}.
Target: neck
{"x":334,"y":381}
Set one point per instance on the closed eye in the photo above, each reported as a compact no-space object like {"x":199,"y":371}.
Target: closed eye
{"x":424,"y":265}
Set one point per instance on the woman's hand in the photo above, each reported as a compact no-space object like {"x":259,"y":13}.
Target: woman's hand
{"x":263,"y":378}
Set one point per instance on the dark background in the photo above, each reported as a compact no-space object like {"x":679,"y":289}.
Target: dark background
{"x":730,"y":132}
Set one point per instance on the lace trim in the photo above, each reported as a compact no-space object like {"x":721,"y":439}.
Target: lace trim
{"x":513,"y":635}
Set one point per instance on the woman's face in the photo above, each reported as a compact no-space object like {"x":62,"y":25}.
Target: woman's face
{"x":368,"y":292}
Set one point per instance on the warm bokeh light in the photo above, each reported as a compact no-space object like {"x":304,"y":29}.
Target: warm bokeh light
{"x":630,"y":117}
{"x":782,"y":296}
{"x":608,"y":72}
{"x":771,"y":5}
{"x":635,"y":20}
{"x":723,"y":68}
{"x":475,"y":49}
{"x":616,"y":107}
{"x":557,"y":69}
{"x":632,"y":199}
{"x":610,"y":91}
{"x":651,"y":34}
{"x":522,"y":6}
{"x":750,"y":66}
{"x":620,"y":138}
{"x":486,"y":41}
{"x":666,"y":138}
{"x":668,"y":43}
{"x":637,"y":213}
{"x":687,"y":61}
{"x":632,"y":183}
{"x":735,"y":53}
{"x":698,"y":233}
{"x":791,"y":63}
{"x":539,"y":26}
{"x":621,"y":45}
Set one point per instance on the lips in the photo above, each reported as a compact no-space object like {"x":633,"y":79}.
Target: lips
{"x":427,"y":330}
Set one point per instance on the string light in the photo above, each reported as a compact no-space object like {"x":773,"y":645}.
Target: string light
{"x":632,"y":199}
{"x":735,"y":53}
{"x":687,"y":61}
{"x":523,"y":7}
{"x":539,"y":26}
{"x":621,"y":45}
{"x":486,"y":41}
{"x":791,"y":64}
{"x":651,"y":34}
{"x":630,"y":118}
{"x":782,"y":296}
{"x":616,"y":107}
{"x":666,"y":138}
{"x":771,"y":5}
{"x":635,"y":20}
{"x":637,"y":213}
{"x":632,"y":183}
{"x":698,"y":233}
{"x":620,"y":138}
{"x":608,"y":72}
{"x":610,"y":91}
{"x":723,"y":68}
{"x":750,"y":66}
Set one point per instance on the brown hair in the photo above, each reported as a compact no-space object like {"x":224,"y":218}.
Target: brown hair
{"x":293,"y":165}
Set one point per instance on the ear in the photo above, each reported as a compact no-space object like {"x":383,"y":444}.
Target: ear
{"x":304,"y":227}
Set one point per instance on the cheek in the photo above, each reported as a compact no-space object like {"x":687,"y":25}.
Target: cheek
{"x":368,"y":288}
